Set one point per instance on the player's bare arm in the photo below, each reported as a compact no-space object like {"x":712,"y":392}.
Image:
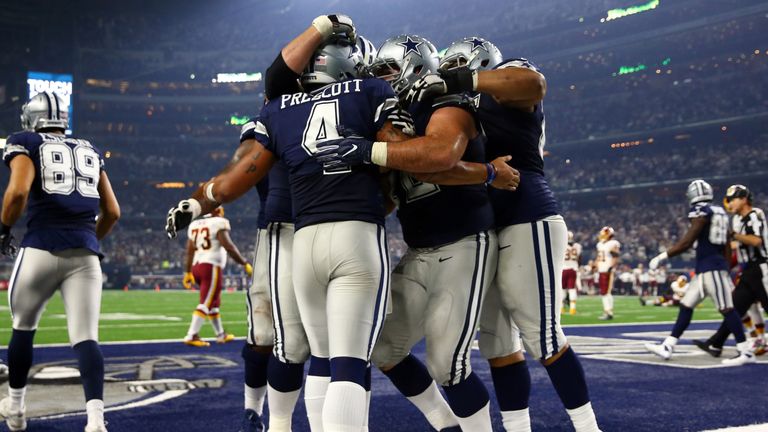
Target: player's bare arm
{"x":514,"y":87}
{"x":497,"y":173}
{"x":17,"y":192}
{"x":109,"y":209}
{"x":225,"y":187}
{"x":690,"y":236}
{"x":230,"y":247}
{"x":281,"y":76}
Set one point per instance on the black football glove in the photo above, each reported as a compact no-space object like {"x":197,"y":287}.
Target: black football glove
{"x":180,"y":216}
{"x":402,"y":120}
{"x":445,"y":81}
{"x":7,"y":248}
{"x":350,"y":149}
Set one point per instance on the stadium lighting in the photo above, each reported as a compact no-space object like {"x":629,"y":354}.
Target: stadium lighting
{"x":632,"y":10}
{"x":238,"y":120}
{"x":238,"y":77}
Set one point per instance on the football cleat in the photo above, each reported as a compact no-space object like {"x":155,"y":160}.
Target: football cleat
{"x":660,"y":350}
{"x":605,"y":317}
{"x":224,"y":338}
{"x":572,"y":311}
{"x":744,"y":357}
{"x":15,"y":420}
{"x":706,"y":347}
{"x":251,"y":422}
{"x":642,"y":301}
{"x":195,"y":341}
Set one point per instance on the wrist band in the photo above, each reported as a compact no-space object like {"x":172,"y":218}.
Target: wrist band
{"x":474,"y":80}
{"x":209,"y":192}
{"x":490,"y":173}
{"x":323,"y":25}
{"x":379,"y":153}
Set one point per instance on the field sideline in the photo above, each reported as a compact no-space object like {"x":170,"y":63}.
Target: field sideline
{"x":151,"y":315}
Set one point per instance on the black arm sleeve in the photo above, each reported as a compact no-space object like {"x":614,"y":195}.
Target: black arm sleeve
{"x":280,"y":79}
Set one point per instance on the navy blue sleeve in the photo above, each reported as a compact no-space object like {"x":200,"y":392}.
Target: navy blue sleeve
{"x":21,"y":143}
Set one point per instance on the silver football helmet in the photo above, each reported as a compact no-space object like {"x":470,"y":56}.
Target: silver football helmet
{"x":332,"y":63}
{"x":402,"y":60}
{"x":473,"y":52}
{"x":45,"y":110}
{"x":699,"y":191}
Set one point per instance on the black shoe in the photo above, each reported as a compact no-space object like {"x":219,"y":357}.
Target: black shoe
{"x":642,"y":301}
{"x":251,"y":422}
{"x":706,"y":346}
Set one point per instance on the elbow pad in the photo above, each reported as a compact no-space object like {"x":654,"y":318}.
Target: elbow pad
{"x":280,"y":79}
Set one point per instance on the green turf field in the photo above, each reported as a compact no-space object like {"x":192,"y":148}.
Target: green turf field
{"x":143,"y":315}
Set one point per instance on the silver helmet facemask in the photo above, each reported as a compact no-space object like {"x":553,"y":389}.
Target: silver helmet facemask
{"x":402,"y":60}
{"x":45,"y":110}
{"x":474,"y":52}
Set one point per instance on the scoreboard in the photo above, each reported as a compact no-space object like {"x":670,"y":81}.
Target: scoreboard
{"x":61,"y":84}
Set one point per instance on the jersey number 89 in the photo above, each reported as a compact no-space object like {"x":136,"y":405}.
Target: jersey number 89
{"x":64,"y":169}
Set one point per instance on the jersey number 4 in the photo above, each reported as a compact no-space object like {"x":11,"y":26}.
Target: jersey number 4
{"x":64,"y":169}
{"x":321,"y":126}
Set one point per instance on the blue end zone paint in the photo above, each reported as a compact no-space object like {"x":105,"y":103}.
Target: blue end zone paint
{"x":626,"y":396}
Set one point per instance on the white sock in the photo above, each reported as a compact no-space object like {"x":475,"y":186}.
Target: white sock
{"x":315,"y":388}
{"x":95,"y":410}
{"x":516,"y":421}
{"x":367,"y":409}
{"x":17,"y":398}
{"x":254,"y":398}
{"x":572,"y":295}
{"x":606,"y":304}
{"x":281,"y":406}
{"x":479,"y":421}
{"x":583,"y":418}
{"x":431,"y":403}
{"x":670,"y":341}
{"x":195,"y":325}
{"x":344,"y":408}
{"x":217,"y":327}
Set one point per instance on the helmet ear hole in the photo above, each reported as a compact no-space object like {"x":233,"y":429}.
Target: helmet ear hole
{"x":484,"y":63}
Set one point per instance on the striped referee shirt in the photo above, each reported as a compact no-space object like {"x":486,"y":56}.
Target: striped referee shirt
{"x":752,"y":223}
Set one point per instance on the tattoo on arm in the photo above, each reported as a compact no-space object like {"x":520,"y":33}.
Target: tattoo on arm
{"x":252,"y":167}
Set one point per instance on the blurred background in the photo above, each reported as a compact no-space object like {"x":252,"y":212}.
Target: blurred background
{"x":643,"y":96}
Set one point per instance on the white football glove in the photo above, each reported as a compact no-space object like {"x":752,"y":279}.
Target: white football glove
{"x":655,"y":261}
{"x":181,"y":216}
{"x":430,"y":85}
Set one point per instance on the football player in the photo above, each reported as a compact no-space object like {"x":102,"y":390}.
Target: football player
{"x":606,"y":261}
{"x":71,"y":207}
{"x":531,"y":234}
{"x":709,"y":231}
{"x":751,"y":234}
{"x":677,"y":290}
{"x":208,"y":245}
{"x":571,"y":282}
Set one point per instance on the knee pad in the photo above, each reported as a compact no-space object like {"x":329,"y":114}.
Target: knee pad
{"x":213,"y":312}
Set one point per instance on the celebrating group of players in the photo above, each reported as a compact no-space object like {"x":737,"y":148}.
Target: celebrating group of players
{"x":456,"y":143}
{"x":346,"y":135}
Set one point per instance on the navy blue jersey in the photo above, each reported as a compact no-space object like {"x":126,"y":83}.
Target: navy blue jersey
{"x":294,"y":124}
{"x":64,"y":199}
{"x":433,"y":215}
{"x":274,"y":190}
{"x":520,"y":134}
{"x":710,"y":245}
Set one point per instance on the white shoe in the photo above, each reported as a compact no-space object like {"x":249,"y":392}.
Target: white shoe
{"x":15,"y":420}
{"x":743,"y":358}
{"x":660,"y":350}
{"x":95,"y":428}
{"x":3,"y":368}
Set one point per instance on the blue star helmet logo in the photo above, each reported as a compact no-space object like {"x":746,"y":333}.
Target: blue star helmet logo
{"x":477,"y":44}
{"x":410,"y":46}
